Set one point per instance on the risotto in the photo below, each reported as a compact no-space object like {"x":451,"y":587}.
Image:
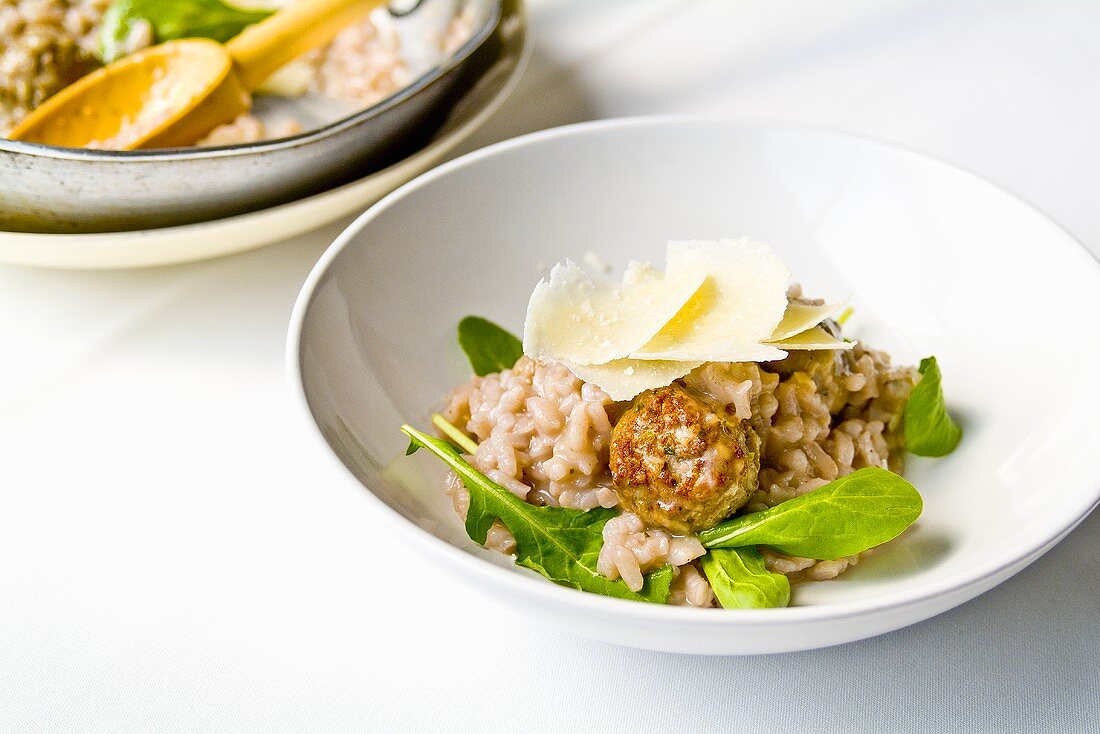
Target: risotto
{"x":676,"y":468}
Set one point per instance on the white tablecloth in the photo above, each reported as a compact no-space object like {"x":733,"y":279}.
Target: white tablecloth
{"x":176,"y":555}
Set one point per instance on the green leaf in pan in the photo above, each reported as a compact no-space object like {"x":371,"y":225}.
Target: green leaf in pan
{"x":740,"y":580}
{"x":561,"y":544}
{"x":845,"y":517}
{"x":488,"y":347}
{"x":929,"y":428}
{"x":171,"y":19}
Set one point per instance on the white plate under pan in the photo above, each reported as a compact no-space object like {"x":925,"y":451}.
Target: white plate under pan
{"x":937,"y":260}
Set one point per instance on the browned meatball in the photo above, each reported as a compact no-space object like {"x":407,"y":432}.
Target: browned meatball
{"x":680,"y":465}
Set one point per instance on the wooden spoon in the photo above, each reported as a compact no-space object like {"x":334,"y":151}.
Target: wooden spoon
{"x":173,"y":94}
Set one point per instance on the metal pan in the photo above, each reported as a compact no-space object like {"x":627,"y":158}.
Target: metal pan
{"x":66,"y":190}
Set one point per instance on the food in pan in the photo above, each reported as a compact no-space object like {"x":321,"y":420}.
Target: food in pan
{"x":46,"y":45}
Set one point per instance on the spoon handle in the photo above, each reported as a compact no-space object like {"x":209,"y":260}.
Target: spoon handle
{"x":301,"y":26}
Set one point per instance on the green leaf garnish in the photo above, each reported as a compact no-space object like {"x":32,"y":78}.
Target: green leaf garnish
{"x":929,"y":428}
{"x":845,"y":517}
{"x":740,"y":580}
{"x":488,"y":347}
{"x":172,"y":19}
{"x":561,"y":544}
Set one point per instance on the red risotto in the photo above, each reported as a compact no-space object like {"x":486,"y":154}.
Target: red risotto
{"x":699,"y":436}
{"x":547,"y":437}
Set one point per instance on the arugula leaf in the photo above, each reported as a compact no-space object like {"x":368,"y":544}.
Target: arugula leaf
{"x":740,"y":581}
{"x":172,"y":19}
{"x":488,"y":347}
{"x":929,"y":428}
{"x":845,"y":517}
{"x":561,"y":544}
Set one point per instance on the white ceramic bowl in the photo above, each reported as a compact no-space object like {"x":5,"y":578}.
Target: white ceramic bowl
{"x":937,"y":261}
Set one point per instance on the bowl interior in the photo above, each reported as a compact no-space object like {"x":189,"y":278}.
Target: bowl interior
{"x":935,"y":260}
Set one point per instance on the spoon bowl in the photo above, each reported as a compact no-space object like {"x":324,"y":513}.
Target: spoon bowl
{"x":164,"y":96}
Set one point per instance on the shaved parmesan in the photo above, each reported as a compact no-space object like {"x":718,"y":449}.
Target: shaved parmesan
{"x":637,"y":272}
{"x":815,"y":338}
{"x":800,"y":317}
{"x":717,"y":301}
{"x":622,"y":379}
{"x":581,"y":319}
{"x":738,"y":307}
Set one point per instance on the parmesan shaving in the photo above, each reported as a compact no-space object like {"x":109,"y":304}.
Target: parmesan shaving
{"x":638,"y":272}
{"x":718,"y":301}
{"x":623,"y":379}
{"x":581,"y":319}
{"x":815,"y":338}
{"x":743,"y":298}
{"x":800,"y":317}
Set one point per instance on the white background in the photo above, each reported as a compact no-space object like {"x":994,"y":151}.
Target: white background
{"x":176,"y":554}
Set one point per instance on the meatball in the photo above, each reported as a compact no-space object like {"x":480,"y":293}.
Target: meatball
{"x":680,"y":465}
